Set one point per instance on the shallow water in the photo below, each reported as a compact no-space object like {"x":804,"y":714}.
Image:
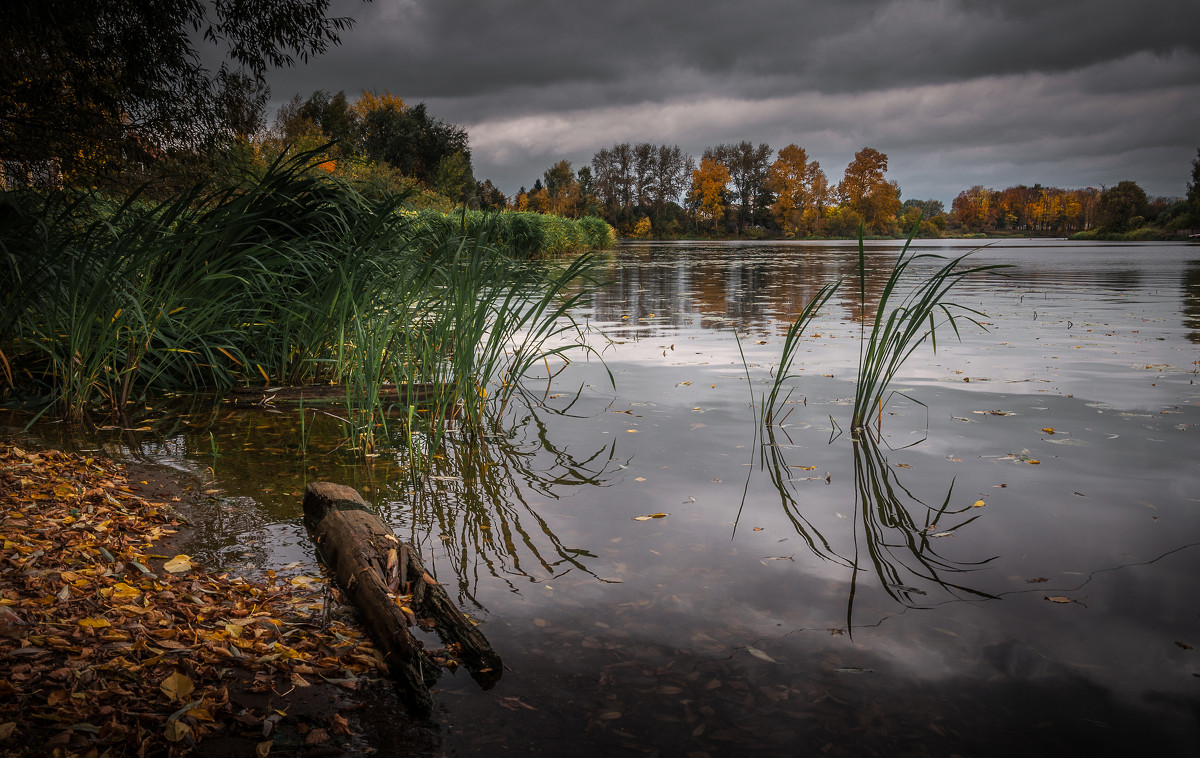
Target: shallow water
{"x":801,"y":592}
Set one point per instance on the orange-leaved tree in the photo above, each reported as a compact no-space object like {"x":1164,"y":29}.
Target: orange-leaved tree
{"x":707,"y":195}
{"x":801,"y":191}
{"x":865,"y":190}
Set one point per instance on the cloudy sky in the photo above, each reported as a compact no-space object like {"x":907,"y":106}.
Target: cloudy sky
{"x":1070,"y":93}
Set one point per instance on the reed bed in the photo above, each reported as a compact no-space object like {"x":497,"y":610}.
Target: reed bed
{"x":292,"y":277}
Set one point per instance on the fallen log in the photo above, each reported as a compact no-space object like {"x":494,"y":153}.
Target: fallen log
{"x":385,"y":580}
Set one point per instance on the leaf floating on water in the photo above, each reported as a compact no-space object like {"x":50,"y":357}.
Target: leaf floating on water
{"x":978,"y":504}
{"x":689,"y":500}
{"x":943,"y":534}
{"x":791,"y":558}
{"x":760,"y":654}
{"x":179,"y":564}
{"x":652,"y":515}
{"x":1058,"y":599}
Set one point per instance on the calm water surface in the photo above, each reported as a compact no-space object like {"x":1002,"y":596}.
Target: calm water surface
{"x":1011,"y":569}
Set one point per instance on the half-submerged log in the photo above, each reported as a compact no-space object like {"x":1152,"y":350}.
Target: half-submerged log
{"x":385,"y":580}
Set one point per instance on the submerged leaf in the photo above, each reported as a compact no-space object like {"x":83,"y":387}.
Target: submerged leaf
{"x":760,"y":654}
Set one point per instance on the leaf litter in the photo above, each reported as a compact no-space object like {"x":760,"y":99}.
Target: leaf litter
{"x":101,"y":654}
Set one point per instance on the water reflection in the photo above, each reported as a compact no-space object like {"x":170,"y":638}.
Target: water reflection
{"x":1191,"y":300}
{"x":895,"y":534}
{"x":478,"y":501}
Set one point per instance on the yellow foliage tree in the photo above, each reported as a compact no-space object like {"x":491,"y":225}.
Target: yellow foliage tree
{"x":801,"y":191}
{"x":708,"y":190}
{"x":370,"y":101}
{"x":866,"y":191}
{"x":641,"y":230}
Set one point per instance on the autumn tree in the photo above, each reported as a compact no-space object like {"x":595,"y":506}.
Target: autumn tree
{"x":800,"y":191}
{"x":96,"y":84}
{"x":748,"y":167}
{"x":865,"y":190}
{"x":562,"y":189}
{"x":709,"y":189}
{"x":974,"y":209}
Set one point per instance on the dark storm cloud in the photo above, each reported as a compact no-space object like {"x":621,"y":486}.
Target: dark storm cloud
{"x":1009,"y":87}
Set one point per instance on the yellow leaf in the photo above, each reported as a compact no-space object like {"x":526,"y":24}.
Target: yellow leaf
{"x":177,"y":686}
{"x":179,"y":564}
{"x":176,"y":731}
{"x":1048,"y":429}
{"x":978,"y":504}
{"x":263,"y":749}
{"x":121,"y":591}
{"x":94,"y":623}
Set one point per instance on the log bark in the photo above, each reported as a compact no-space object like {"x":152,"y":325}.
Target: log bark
{"x":377,"y":571}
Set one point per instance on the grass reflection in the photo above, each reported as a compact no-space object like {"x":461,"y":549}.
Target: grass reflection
{"x":477,"y":500}
{"x":895,"y":534}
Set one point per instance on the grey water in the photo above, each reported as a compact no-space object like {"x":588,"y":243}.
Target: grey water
{"x":1009,"y":565}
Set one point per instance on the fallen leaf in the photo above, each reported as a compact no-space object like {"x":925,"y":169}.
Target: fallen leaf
{"x":760,"y":654}
{"x":176,"y":731}
{"x":179,"y":564}
{"x":978,"y":504}
{"x":1058,"y":599}
{"x":652,"y":515}
{"x":177,"y":686}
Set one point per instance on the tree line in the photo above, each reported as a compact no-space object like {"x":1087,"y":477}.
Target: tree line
{"x":748,"y":190}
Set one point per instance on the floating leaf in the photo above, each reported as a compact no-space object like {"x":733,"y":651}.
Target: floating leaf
{"x":179,"y":564}
{"x":1058,"y":599}
{"x":652,"y":515}
{"x":1048,"y":429}
{"x":978,"y":504}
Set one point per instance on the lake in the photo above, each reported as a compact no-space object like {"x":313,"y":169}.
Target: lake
{"x":1008,"y":566}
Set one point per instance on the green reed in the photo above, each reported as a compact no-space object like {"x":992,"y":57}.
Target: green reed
{"x":903,"y":321}
{"x":292,"y":277}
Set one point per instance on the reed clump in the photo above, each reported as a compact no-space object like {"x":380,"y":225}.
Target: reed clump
{"x":291,"y":277}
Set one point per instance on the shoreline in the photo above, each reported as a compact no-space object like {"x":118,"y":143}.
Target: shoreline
{"x":111,"y":639}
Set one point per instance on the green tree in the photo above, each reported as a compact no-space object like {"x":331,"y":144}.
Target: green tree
{"x":1193,"y":189}
{"x":1120,"y":206}
{"x":95,"y":84}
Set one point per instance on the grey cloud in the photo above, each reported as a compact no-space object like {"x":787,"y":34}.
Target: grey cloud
{"x":951,"y":89}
